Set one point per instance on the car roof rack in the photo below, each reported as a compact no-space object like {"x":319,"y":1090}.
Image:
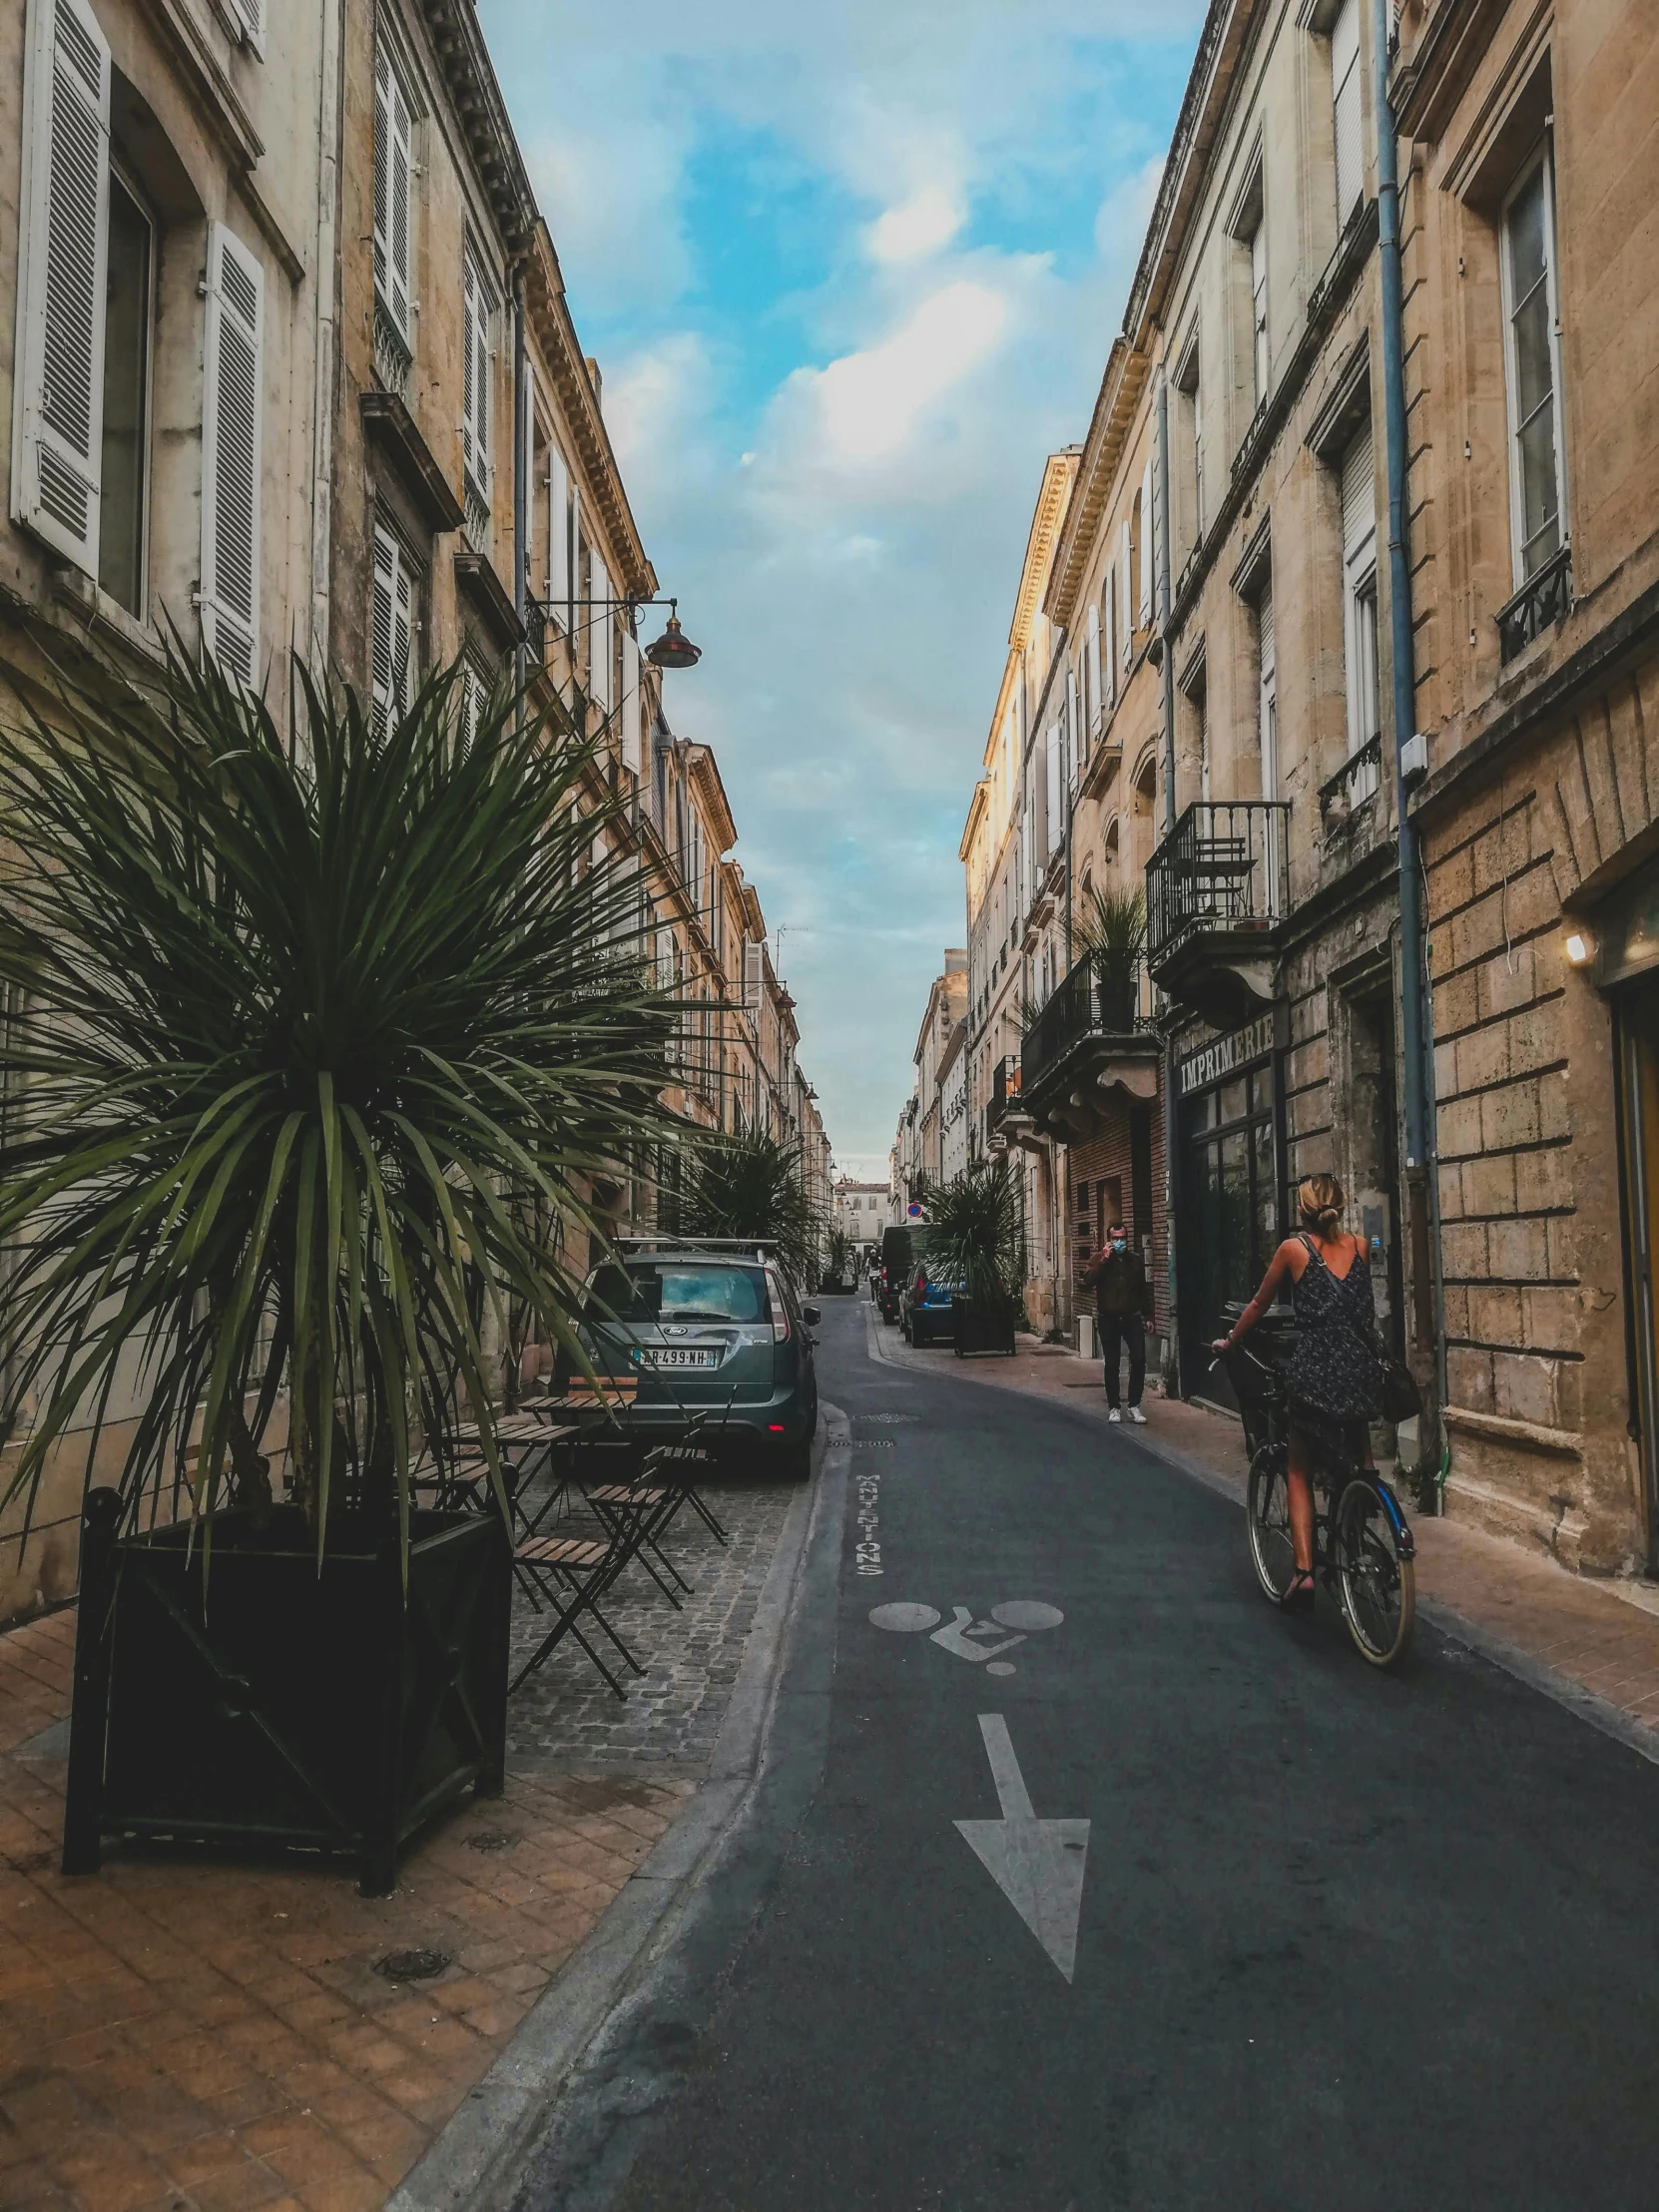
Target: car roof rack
{"x":761,"y":1246}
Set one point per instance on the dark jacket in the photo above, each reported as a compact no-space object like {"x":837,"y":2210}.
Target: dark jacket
{"x":1119,"y":1282}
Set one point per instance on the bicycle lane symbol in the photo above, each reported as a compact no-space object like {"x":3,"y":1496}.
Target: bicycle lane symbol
{"x":980,"y":1642}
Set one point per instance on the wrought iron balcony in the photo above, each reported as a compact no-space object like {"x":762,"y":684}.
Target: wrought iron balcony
{"x":1216,"y":891}
{"x":393,"y":355}
{"x":1543,"y":598}
{"x":1094,"y":1036}
{"x":1005,"y":1098}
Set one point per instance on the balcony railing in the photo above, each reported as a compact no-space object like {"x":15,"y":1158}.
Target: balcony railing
{"x":1004,"y":1097}
{"x":393,"y":355}
{"x":1543,"y":598}
{"x":1225,"y":868}
{"x":1082,"y":1005}
{"x":1354,"y":782}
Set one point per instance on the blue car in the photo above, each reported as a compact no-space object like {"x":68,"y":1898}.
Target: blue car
{"x":924,"y":1314}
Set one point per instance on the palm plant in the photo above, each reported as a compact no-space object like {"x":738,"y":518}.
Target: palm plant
{"x":836,"y":1254}
{"x":317,"y":1029}
{"x":1111,"y":934}
{"x":975,"y":1237}
{"x":749,"y":1185}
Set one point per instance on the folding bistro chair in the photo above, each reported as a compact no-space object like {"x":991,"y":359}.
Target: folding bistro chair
{"x":677,"y":1466}
{"x":571,"y":1574}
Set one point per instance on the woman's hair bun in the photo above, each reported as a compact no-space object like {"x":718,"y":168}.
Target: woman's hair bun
{"x":1320,"y":1201}
{"x":1328,"y":1217}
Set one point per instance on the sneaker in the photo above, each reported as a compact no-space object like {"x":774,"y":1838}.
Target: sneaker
{"x":1136,"y":1415}
{"x":1112,"y":1414}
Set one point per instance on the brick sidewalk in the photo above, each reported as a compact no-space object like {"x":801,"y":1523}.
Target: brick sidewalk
{"x":191,"y":2037}
{"x":1597,"y":1636}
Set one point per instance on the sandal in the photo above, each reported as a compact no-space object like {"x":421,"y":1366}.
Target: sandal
{"x":1300,"y":1595}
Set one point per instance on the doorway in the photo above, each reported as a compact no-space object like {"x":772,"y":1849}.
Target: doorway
{"x":1639,"y":1147}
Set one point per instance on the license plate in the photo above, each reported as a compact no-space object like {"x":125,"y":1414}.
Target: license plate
{"x":675,"y":1357}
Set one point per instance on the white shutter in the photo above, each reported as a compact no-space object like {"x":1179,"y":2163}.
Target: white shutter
{"x":1148,"y":547}
{"x":1126,"y":574}
{"x":1346,"y":105}
{"x":391,"y":624}
{"x":1096,"y":700}
{"x":1358,"y":497}
{"x":558,"y":532}
{"x":473,"y":386}
{"x":1053,"y":791}
{"x":250,"y":16}
{"x":599,"y":633}
{"x":65,"y":235}
{"x":754,"y":975}
{"x":1074,"y":729}
{"x":231,"y":410}
{"x":630,"y":702}
{"x":394,"y":170}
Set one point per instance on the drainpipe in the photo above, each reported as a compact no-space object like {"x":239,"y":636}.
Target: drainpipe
{"x":1172,"y":1133}
{"x":326,"y":307}
{"x":1413,"y":1040}
{"x":521,"y":487}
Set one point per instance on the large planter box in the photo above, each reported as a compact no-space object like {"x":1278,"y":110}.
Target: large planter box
{"x":233,"y":1693}
{"x":976,"y":1328}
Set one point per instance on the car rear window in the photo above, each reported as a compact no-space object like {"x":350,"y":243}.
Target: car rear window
{"x":670,"y":1290}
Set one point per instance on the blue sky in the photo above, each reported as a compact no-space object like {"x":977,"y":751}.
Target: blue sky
{"x":851,"y":271}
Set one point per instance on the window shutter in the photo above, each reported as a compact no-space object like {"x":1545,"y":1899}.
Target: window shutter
{"x":231,"y":455}
{"x":1358,"y":497}
{"x":476,"y":371}
{"x":599,"y":633}
{"x":1149,"y":545}
{"x":60,"y":296}
{"x":1053,"y":793}
{"x":558,"y":532}
{"x":1347,"y":80}
{"x":1092,"y":664}
{"x":393,"y":169}
{"x":753,"y":975}
{"x":391,"y":626}
{"x":1127,"y":576}
{"x":631,"y":701}
{"x":1074,"y":729}
{"x":250,"y":15}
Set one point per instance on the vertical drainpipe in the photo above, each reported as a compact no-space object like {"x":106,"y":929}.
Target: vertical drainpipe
{"x":1172,"y":1134}
{"x":326,"y":307}
{"x":521,"y":486}
{"x":1412,"y":993}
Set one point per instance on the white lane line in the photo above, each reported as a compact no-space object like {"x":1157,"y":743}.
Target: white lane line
{"x":1038,"y":1864}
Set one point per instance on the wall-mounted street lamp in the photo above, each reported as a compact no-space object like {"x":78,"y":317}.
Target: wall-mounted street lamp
{"x":673,"y":649}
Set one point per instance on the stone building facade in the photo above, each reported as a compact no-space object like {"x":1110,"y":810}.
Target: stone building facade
{"x":1533,"y":326}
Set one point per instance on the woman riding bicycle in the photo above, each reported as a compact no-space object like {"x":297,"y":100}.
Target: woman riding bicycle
{"x":1334,"y":1384}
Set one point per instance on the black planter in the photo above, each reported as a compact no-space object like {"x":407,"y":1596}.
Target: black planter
{"x":270,"y":1704}
{"x":977,"y":1327}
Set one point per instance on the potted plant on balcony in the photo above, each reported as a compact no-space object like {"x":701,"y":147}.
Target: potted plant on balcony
{"x":1111,"y":934}
{"x":299,"y":1015}
{"x":976,"y":1241}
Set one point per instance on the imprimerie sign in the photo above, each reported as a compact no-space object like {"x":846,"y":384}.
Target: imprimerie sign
{"x":1253,"y":1042}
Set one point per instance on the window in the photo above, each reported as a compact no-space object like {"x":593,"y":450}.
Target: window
{"x":1126,"y":576}
{"x":475,"y":692}
{"x":124,"y":472}
{"x":1359,"y":482}
{"x":632,"y":703}
{"x":1259,"y":360}
{"x":1147,"y":546}
{"x":1091,"y":667}
{"x":560,"y":567}
{"x":392,"y":621}
{"x":393,"y":206}
{"x":1346,"y":110}
{"x":601,"y":650}
{"x":1191,"y":450}
{"x":1532,"y":348}
{"x":1267,"y":696}
{"x":477,"y":369}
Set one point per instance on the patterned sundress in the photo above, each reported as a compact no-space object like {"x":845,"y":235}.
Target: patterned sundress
{"x":1335,"y":1378}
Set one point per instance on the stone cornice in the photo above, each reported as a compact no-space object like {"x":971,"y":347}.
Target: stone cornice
{"x":1059,"y":474}
{"x":1115,"y":408}
{"x":475,"y":94}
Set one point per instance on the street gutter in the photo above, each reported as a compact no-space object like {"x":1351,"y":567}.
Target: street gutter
{"x":476,"y":2162}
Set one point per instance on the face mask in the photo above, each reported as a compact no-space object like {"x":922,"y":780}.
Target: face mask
{"x":1119,"y":1245}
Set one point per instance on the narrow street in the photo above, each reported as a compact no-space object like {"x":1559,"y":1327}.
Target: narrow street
{"x":1338,"y":1938}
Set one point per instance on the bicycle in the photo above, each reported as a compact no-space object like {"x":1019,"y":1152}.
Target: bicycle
{"x":1362,"y":1546}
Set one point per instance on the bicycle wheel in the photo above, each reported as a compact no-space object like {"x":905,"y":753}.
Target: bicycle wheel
{"x":1376,"y":1578}
{"x":1268,"y":1518}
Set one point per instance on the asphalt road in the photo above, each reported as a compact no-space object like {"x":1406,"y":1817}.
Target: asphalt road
{"x":1339,"y":1938}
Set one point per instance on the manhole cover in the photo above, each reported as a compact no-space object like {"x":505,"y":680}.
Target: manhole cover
{"x":492,"y":1839}
{"x":411,"y":1965}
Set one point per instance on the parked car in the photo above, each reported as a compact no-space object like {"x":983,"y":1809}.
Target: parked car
{"x":892,"y":1269}
{"x":707,"y":1324}
{"x":924,"y":1312}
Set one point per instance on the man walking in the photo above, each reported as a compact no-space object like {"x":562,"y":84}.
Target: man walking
{"x":1118,"y":1278}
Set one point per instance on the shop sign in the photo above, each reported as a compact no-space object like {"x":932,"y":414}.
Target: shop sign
{"x":1221,"y":1057}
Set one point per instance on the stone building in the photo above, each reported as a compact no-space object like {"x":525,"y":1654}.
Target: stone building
{"x":861,"y":1210}
{"x":162,"y":229}
{"x":1532,"y":329}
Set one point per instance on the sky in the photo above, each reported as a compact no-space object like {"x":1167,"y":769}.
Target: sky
{"x":850,"y":271}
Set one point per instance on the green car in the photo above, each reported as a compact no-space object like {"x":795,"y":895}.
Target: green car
{"x":707,"y":1325}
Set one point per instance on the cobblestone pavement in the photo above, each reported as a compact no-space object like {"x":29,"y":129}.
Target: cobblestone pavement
{"x":565,"y":1715}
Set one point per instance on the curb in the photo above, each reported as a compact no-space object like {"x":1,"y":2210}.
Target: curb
{"x":484,"y":2141}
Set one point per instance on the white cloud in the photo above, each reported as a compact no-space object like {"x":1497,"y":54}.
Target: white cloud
{"x":927,"y":221}
{"x":867,"y":405}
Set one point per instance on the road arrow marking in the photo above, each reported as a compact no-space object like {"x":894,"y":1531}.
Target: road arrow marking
{"x":1038,"y":1864}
